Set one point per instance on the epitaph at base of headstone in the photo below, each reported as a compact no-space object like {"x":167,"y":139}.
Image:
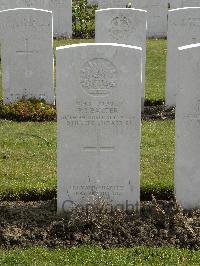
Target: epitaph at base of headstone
{"x":27,"y":54}
{"x":98,"y":107}
{"x":183,"y":29}
{"x":187,"y":166}
{"x":126,"y":26}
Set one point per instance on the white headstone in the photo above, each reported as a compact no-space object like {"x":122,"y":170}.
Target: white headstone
{"x":156,"y":16}
{"x":183,"y":29}
{"x":98,"y":124}
{"x":62,"y":12}
{"x":190,"y":3}
{"x":184,"y":3}
{"x":123,"y":25}
{"x":27,"y":54}
{"x":62,"y":17}
{"x":175,"y":4}
{"x":187,"y":166}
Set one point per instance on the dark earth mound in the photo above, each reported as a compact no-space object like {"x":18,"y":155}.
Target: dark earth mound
{"x":160,"y":223}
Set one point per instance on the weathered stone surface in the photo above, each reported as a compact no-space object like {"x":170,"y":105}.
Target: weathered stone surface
{"x":183,"y":29}
{"x":27,"y":54}
{"x":156,"y":16}
{"x":174,"y":4}
{"x":184,"y":3}
{"x":98,"y":105}
{"x":187,"y":167}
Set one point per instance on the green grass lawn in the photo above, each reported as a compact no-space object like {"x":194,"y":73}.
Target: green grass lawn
{"x":28,"y":158}
{"x":98,"y":256}
{"x":155,"y":70}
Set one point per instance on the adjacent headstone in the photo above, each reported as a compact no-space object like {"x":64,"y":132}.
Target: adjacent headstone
{"x":174,"y":4}
{"x":156,"y":16}
{"x":62,"y":17}
{"x":62,"y":12}
{"x":187,"y":167}
{"x":123,"y":25}
{"x":27,"y":54}
{"x":98,"y":106}
{"x":183,"y":29}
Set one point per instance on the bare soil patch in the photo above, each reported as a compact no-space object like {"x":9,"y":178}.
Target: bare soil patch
{"x":160,"y":223}
{"x":158,"y":112}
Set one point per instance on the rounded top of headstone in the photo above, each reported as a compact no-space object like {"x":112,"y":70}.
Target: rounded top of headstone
{"x":189,"y":46}
{"x":27,"y":9}
{"x":99,"y":44}
{"x":183,"y":8}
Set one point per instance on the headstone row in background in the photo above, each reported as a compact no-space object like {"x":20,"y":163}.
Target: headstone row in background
{"x":183,"y":29}
{"x":156,"y":13}
{"x":62,"y":12}
{"x":156,"y":16}
{"x":125,"y":26}
{"x":27,"y":54}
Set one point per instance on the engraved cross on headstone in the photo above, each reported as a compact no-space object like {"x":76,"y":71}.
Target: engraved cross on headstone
{"x":27,"y":53}
{"x":98,"y":147}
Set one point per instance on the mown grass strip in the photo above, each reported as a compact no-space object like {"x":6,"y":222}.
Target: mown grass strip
{"x":28,"y":160}
{"x":155,"y":71}
{"x":98,"y":256}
